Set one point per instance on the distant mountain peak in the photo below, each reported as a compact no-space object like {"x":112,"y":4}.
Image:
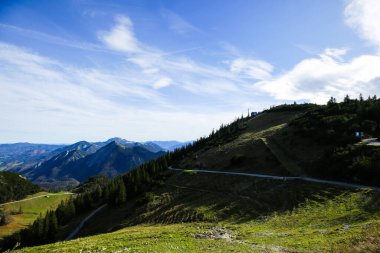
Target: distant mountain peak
{"x":113,"y":144}
{"x":119,"y":140}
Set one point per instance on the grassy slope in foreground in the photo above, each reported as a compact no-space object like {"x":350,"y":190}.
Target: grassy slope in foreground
{"x":348,"y":223}
{"x":31,"y":209}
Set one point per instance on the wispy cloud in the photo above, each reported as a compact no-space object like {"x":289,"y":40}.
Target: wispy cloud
{"x":256,"y":69}
{"x":168,"y":69}
{"x":59,"y":100}
{"x":177,"y":23}
{"x":30,"y":72}
{"x":51,"y":39}
{"x":334,"y":53}
{"x":96,"y":103}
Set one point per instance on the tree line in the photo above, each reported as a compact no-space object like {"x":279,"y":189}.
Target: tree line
{"x":339,"y":128}
{"x":336,"y":123}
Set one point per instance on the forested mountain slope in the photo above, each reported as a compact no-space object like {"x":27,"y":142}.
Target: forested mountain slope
{"x":14,"y":187}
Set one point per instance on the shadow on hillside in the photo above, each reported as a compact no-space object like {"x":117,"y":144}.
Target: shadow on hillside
{"x":190,"y":197}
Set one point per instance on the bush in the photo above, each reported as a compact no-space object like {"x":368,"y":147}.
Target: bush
{"x":4,"y":218}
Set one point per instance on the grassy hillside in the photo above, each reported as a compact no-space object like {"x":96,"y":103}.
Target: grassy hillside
{"x":306,"y":140}
{"x":31,"y":209}
{"x":155,"y":209}
{"x":348,"y":222}
{"x":245,"y":150}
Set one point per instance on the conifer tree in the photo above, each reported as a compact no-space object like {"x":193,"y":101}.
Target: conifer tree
{"x":46,"y":226}
{"x":121,"y":193}
{"x":53,"y":226}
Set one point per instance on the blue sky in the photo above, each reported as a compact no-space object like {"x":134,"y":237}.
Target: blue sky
{"x":164,"y":70}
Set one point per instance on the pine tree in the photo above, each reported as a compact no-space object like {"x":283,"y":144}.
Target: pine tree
{"x":46,"y":226}
{"x":53,"y":226}
{"x":346,"y":99}
{"x":98,"y":193}
{"x":106,"y":193}
{"x":331,"y":101}
{"x":40,"y":227}
{"x":121,"y":193}
{"x":60,"y":212}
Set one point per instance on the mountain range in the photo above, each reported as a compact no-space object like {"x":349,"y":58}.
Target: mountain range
{"x":63,"y":167}
{"x":23,"y":155}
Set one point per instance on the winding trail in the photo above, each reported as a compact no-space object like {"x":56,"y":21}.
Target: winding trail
{"x":80,"y":226}
{"x":283,"y":178}
{"x":40,"y":196}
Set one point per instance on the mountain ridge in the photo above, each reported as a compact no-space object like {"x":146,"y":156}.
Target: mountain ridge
{"x":77,"y":162}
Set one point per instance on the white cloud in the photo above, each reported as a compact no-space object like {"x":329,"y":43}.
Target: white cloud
{"x":317,"y":79}
{"x":162,"y":83}
{"x":255,"y":69}
{"x":121,"y":37}
{"x":43,"y":100}
{"x":177,"y":23}
{"x":363,"y":16}
{"x":162,"y":69}
{"x":334,"y":53}
{"x":145,"y":60}
{"x":72,"y":88}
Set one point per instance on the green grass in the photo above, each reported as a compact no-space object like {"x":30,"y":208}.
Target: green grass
{"x":326,"y":225}
{"x":31,"y":210}
{"x":155,"y":238}
{"x":349,"y":222}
